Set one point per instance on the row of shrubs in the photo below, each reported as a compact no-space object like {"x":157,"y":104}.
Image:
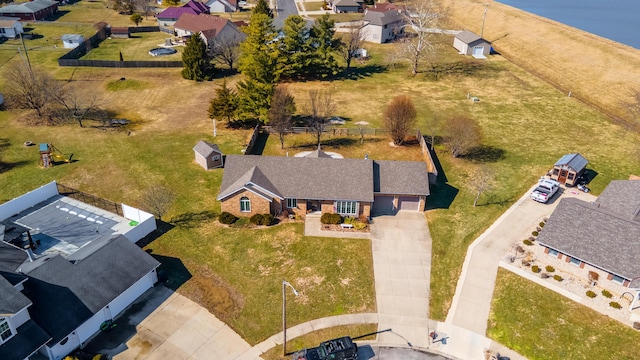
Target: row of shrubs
{"x":257,"y":219}
{"x":536,"y":269}
{"x":335,"y":219}
{"x":605,"y":293}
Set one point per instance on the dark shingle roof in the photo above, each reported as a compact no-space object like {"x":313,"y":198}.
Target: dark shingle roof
{"x":573,"y":161}
{"x":11,"y":257}
{"x":201,"y":23}
{"x":206,"y":148}
{"x":595,"y":235}
{"x":28,"y":7}
{"x":400,"y":177}
{"x":382,"y":18}
{"x":74,"y":292}
{"x":622,"y":197}
{"x":29,"y":338}
{"x":303,"y":178}
{"x":348,"y":2}
{"x":11,"y":299}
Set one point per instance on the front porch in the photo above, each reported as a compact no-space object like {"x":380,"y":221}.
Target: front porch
{"x":313,"y":227}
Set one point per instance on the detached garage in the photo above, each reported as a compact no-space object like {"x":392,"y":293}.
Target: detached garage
{"x":399,"y":185}
{"x":468,"y":43}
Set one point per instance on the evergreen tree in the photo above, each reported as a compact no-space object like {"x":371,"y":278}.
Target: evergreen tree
{"x":262,"y":7}
{"x":197,"y":65}
{"x":297,"y":54}
{"x":254,"y":100}
{"x":325,"y":45}
{"x":225,"y":104}
{"x":259,"y":51}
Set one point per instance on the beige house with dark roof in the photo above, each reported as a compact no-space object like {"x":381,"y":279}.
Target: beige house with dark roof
{"x":598,"y":241}
{"x":351,"y":187}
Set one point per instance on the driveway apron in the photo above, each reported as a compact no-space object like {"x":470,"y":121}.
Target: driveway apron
{"x":401,"y":247}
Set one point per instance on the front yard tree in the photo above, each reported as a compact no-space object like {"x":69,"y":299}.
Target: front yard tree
{"x":136,"y":19}
{"x":480,"y":182}
{"x":124,"y":6}
{"x":282,"y":108}
{"x":352,"y":43}
{"x":259,"y":53}
{"x":321,"y":106}
{"x":419,"y":16}
{"x":197,"y":65}
{"x":262,"y":7}
{"x":226,"y":51}
{"x":400,"y":118}
{"x":461,"y":134}
{"x":225,"y":104}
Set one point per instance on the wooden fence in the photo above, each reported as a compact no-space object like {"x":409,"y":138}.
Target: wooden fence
{"x":329,"y":130}
{"x":252,"y":141}
{"x":431,"y":166}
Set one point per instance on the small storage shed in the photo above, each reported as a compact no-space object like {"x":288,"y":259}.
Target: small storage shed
{"x":120,"y":32}
{"x":72,"y":41}
{"x":208,"y":155}
{"x":568,"y":169}
{"x":468,"y":43}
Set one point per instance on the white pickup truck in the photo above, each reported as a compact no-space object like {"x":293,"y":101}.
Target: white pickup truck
{"x":545,"y":190}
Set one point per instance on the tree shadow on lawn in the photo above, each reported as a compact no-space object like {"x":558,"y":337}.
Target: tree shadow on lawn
{"x":360,"y":72}
{"x":4,"y":165}
{"x":334,"y":143}
{"x":485,"y":154}
{"x":190,"y":219}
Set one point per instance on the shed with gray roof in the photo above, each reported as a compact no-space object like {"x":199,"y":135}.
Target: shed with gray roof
{"x":208,"y":155}
{"x":469,"y":43}
{"x":569,"y":168}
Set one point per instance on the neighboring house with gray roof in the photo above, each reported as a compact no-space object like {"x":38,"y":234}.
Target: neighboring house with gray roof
{"x":352,"y":187}
{"x":382,"y":24}
{"x":208,"y":155}
{"x":568,"y":169}
{"x":469,"y":43}
{"x":59,"y":285}
{"x":347,"y":6}
{"x":600,"y":240}
{"x":30,"y":11}
{"x":10,"y":27}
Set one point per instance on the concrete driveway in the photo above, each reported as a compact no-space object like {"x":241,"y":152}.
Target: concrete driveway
{"x":164,"y":325}
{"x":472,"y":300}
{"x":401,"y":247}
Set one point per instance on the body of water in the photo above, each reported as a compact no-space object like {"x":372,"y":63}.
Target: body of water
{"x":617,"y":20}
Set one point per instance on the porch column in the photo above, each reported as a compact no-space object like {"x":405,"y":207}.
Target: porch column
{"x":637,"y":297}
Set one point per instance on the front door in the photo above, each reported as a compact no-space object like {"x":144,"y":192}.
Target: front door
{"x":563,"y":176}
{"x":313,"y":205}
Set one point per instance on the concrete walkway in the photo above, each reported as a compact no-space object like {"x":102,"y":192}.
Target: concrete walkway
{"x":472,"y":300}
{"x":401,"y":247}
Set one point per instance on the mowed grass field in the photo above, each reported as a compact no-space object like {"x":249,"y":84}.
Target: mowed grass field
{"x":236,"y":273}
{"x":134,"y":48}
{"x":541,"y":324}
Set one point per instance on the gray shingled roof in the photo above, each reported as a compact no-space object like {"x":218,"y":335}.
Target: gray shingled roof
{"x":595,"y":235}
{"x":467,"y":36}
{"x":11,"y":257}
{"x":301,"y":177}
{"x":382,"y":18}
{"x":206,"y":148}
{"x":74,"y":292}
{"x":28,"y":7}
{"x":400,"y":177}
{"x":11,"y":299}
{"x":347,"y":3}
{"x":29,"y":338}
{"x":573,"y":161}
{"x":317,"y":154}
{"x":622,"y":197}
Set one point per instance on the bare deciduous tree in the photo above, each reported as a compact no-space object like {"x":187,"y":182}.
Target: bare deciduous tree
{"x":461,"y":134}
{"x":481,"y":181}
{"x":226,"y":51}
{"x":157,"y":200}
{"x":352,"y":43}
{"x":435,"y":125}
{"x":420,"y":16}
{"x":77,"y":104}
{"x":400,"y":118}
{"x":145,"y":7}
{"x":27,"y":89}
{"x":282,"y":108}
{"x":633,"y":106}
{"x":361,"y":127}
{"x":321,"y":106}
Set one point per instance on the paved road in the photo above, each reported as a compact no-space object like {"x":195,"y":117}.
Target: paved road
{"x":401,"y":247}
{"x":284,"y":9}
{"x":387,"y":353}
{"x":472,"y":301}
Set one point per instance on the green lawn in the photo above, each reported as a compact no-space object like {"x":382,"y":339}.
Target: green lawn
{"x":134,"y":48}
{"x":541,"y":324}
{"x":314,"y":5}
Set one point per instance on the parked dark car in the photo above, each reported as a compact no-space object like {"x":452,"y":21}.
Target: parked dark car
{"x":337,"y":349}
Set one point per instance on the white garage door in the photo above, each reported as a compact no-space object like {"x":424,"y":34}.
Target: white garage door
{"x":408,"y":203}
{"x":382,"y":204}
{"x":478,"y":50}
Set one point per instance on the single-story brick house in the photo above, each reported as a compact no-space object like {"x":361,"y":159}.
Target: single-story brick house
{"x":10,"y":27}
{"x":352,"y":187}
{"x":30,"y":11}
{"x":208,"y":155}
{"x":468,"y":43}
{"x":568,"y":169}
{"x":211,"y":28}
{"x":599,"y":241}
{"x":382,"y":24}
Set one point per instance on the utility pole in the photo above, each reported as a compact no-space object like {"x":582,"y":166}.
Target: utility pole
{"x":484,"y":17}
